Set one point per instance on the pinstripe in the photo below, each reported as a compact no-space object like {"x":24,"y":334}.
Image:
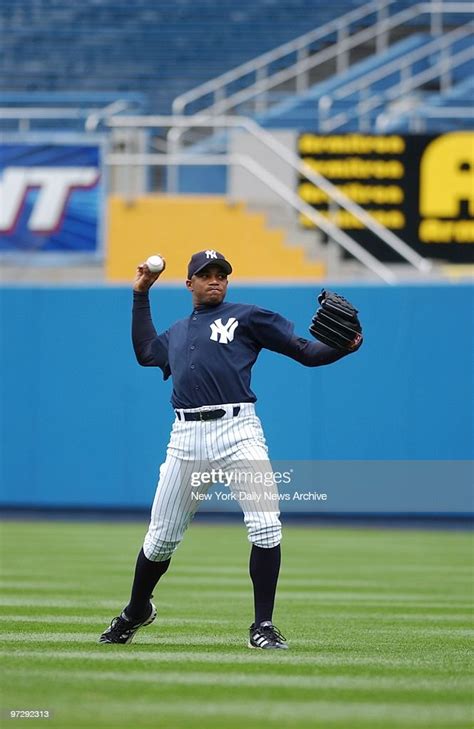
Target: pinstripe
{"x":235,"y":444}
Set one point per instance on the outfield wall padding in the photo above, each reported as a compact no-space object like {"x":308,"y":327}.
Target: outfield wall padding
{"x":82,"y":424}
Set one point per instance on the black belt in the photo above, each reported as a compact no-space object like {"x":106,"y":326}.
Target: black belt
{"x":208,"y":414}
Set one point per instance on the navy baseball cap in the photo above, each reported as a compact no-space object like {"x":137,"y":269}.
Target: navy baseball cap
{"x":207,"y":258}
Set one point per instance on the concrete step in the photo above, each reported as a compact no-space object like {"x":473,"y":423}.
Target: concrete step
{"x":317,"y":248}
{"x":312,"y":241}
{"x":283,"y":217}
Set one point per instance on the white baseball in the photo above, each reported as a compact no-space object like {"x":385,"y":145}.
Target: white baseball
{"x":155,"y":264}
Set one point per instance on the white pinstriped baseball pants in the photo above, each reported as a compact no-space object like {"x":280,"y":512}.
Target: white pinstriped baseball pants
{"x":235,"y":444}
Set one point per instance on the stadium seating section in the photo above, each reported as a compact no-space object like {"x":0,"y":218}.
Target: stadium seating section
{"x":159,"y":48}
{"x":301,"y":112}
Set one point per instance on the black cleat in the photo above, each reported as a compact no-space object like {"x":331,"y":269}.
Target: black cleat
{"x":122,"y":630}
{"x":265,"y":636}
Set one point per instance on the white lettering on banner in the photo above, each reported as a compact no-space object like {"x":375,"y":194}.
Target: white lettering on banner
{"x":54,"y":184}
{"x":223,"y":333}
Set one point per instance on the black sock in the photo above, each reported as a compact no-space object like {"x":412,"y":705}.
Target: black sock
{"x":264,"y":569}
{"x":147,"y":574}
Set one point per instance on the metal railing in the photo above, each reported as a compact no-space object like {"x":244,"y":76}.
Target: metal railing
{"x":404,"y":87}
{"x":385,"y":24}
{"x":92,"y":117}
{"x":290,"y":158}
{"x":361,"y":86}
{"x":333,"y":52}
{"x":25,"y":115}
{"x":261,"y":65}
{"x":265,"y":79}
{"x":417,"y":117}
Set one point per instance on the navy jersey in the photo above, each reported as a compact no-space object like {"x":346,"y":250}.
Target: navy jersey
{"x":210,"y":354}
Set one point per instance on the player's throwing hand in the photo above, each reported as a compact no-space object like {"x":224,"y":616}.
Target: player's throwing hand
{"x":144,"y":278}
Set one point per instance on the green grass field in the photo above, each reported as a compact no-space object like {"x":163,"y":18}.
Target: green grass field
{"x":378,"y":623}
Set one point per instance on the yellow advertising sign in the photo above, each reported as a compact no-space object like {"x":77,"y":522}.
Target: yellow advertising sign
{"x":420,"y":186}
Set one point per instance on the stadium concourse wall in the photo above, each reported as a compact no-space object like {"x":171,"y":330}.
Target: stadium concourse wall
{"x":83,"y":426}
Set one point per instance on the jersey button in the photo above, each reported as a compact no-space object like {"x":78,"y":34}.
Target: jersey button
{"x":194,"y":318}
{"x":192,"y":367}
{"x":193,"y":347}
{"x":196,"y":387}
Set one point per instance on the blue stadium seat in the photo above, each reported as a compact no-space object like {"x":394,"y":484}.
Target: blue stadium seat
{"x":160,"y":48}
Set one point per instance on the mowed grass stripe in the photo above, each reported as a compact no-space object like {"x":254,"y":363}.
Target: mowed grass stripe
{"x":50,"y":620}
{"x":439,"y":549}
{"x":325,"y":589}
{"x":314,"y":575}
{"x":268,"y":680}
{"x":411,"y":714}
{"x":76,"y":603}
{"x":147,"y":711}
{"x":43,"y":635}
{"x":241,"y":655}
{"x":208,"y":578}
{"x":241,"y":597}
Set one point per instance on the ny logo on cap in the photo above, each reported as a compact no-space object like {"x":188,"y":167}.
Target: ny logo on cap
{"x":211,"y":254}
{"x":223,"y":333}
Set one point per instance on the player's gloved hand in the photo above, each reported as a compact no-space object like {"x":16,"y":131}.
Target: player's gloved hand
{"x":144,"y":278}
{"x":336,"y":323}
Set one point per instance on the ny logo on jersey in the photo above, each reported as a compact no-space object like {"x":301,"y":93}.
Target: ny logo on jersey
{"x":211,"y":254}
{"x":223,"y":333}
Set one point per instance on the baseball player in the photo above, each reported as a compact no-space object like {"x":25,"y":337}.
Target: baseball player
{"x":210,"y":355}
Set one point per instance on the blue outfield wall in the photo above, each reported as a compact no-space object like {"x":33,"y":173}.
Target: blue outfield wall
{"x":83,"y":425}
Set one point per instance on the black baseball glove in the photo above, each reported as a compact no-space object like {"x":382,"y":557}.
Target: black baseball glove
{"x":336,"y":323}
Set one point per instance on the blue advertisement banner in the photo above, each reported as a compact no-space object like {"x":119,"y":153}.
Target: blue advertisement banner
{"x":51,"y":197}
